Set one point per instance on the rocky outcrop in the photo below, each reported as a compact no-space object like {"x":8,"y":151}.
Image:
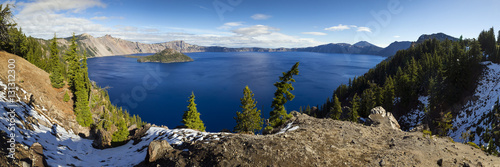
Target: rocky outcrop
{"x":378,"y":116}
{"x":157,"y":149}
{"x":325,"y":142}
{"x":36,"y":155}
{"x":102,"y":139}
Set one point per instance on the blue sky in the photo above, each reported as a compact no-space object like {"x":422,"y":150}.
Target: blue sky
{"x":257,"y":23}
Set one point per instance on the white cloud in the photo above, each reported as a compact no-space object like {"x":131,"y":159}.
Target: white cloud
{"x":396,"y":36}
{"x":255,"y":30}
{"x":340,"y":27}
{"x":230,"y":25}
{"x":314,"y":33}
{"x":74,"y":6}
{"x":43,"y":18}
{"x":365,"y":29}
{"x":99,"y":18}
{"x":260,"y":16}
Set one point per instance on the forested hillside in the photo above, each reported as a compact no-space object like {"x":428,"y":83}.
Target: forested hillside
{"x":68,"y":70}
{"x":436,"y":77}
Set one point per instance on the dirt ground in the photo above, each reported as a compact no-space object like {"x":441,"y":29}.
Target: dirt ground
{"x":326,"y":142}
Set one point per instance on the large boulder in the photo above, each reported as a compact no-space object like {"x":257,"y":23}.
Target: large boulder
{"x":157,"y":149}
{"x":137,"y":133}
{"x":102,"y":139}
{"x":36,"y":155}
{"x":378,"y":116}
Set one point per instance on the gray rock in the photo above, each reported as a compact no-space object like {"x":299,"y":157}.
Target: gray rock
{"x":440,"y":162}
{"x":157,"y":149}
{"x":102,"y":139}
{"x":379,"y":116}
{"x":36,"y":155}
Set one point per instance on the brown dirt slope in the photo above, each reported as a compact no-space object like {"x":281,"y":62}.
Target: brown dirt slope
{"x":36,"y":82}
{"x":326,"y":142}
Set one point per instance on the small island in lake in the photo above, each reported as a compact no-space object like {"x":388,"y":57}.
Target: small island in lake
{"x":165,"y":56}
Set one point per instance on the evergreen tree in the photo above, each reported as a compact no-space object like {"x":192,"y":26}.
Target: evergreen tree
{"x":66,"y":97}
{"x":282,"y":95}
{"x":368,"y":102}
{"x":389,"y":94}
{"x":308,"y":109}
{"x":488,"y":44}
{"x":56,"y":78}
{"x":336,"y":110}
{"x":249,"y":119}
{"x":85,"y":73}
{"x":82,"y":109}
{"x":191,"y":117}
{"x":353,"y":114}
{"x":6,"y":23}
{"x":122,"y":133}
{"x":73,"y":63}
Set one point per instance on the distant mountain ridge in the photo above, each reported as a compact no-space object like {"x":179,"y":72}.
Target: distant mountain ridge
{"x":111,"y":46}
{"x":439,"y":36}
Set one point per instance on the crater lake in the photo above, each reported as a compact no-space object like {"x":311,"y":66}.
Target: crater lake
{"x":159,"y":92}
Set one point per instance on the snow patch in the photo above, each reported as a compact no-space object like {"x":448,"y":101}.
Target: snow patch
{"x":63,"y":148}
{"x":415,"y":116}
{"x":484,"y":98}
{"x":288,"y":128}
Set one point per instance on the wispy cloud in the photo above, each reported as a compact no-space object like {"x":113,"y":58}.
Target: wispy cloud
{"x":314,"y":33}
{"x":396,"y":36}
{"x":260,"y":16}
{"x":74,"y":6}
{"x":230,"y":25}
{"x":340,"y":27}
{"x":365,"y":29}
{"x":203,"y":7}
{"x":255,"y":30}
{"x":99,"y":18}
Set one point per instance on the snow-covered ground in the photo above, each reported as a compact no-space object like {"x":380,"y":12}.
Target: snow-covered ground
{"x":414,"y":117}
{"x":484,"y":99}
{"x":64,"y":148}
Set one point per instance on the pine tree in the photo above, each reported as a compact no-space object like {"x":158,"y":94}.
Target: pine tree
{"x":282,"y":95}
{"x":85,"y":73}
{"x":73,"y":62}
{"x":389,"y":94}
{"x":249,"y":119}
{"x":336,"y":110}
{"x":191,"y":117}
{"x":56,"y":78}
{"x":122,"y":133}
{"x":66,"y":97}
{"x":353,"y":114}
{"x":368,"y":102}
{"x":82,"y":109}
{"x":6,"y":23}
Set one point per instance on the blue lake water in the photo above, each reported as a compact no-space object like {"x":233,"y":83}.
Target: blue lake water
{"x":159,"y":92}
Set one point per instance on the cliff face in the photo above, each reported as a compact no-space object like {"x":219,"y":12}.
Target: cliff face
{"x":111,"y":46}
